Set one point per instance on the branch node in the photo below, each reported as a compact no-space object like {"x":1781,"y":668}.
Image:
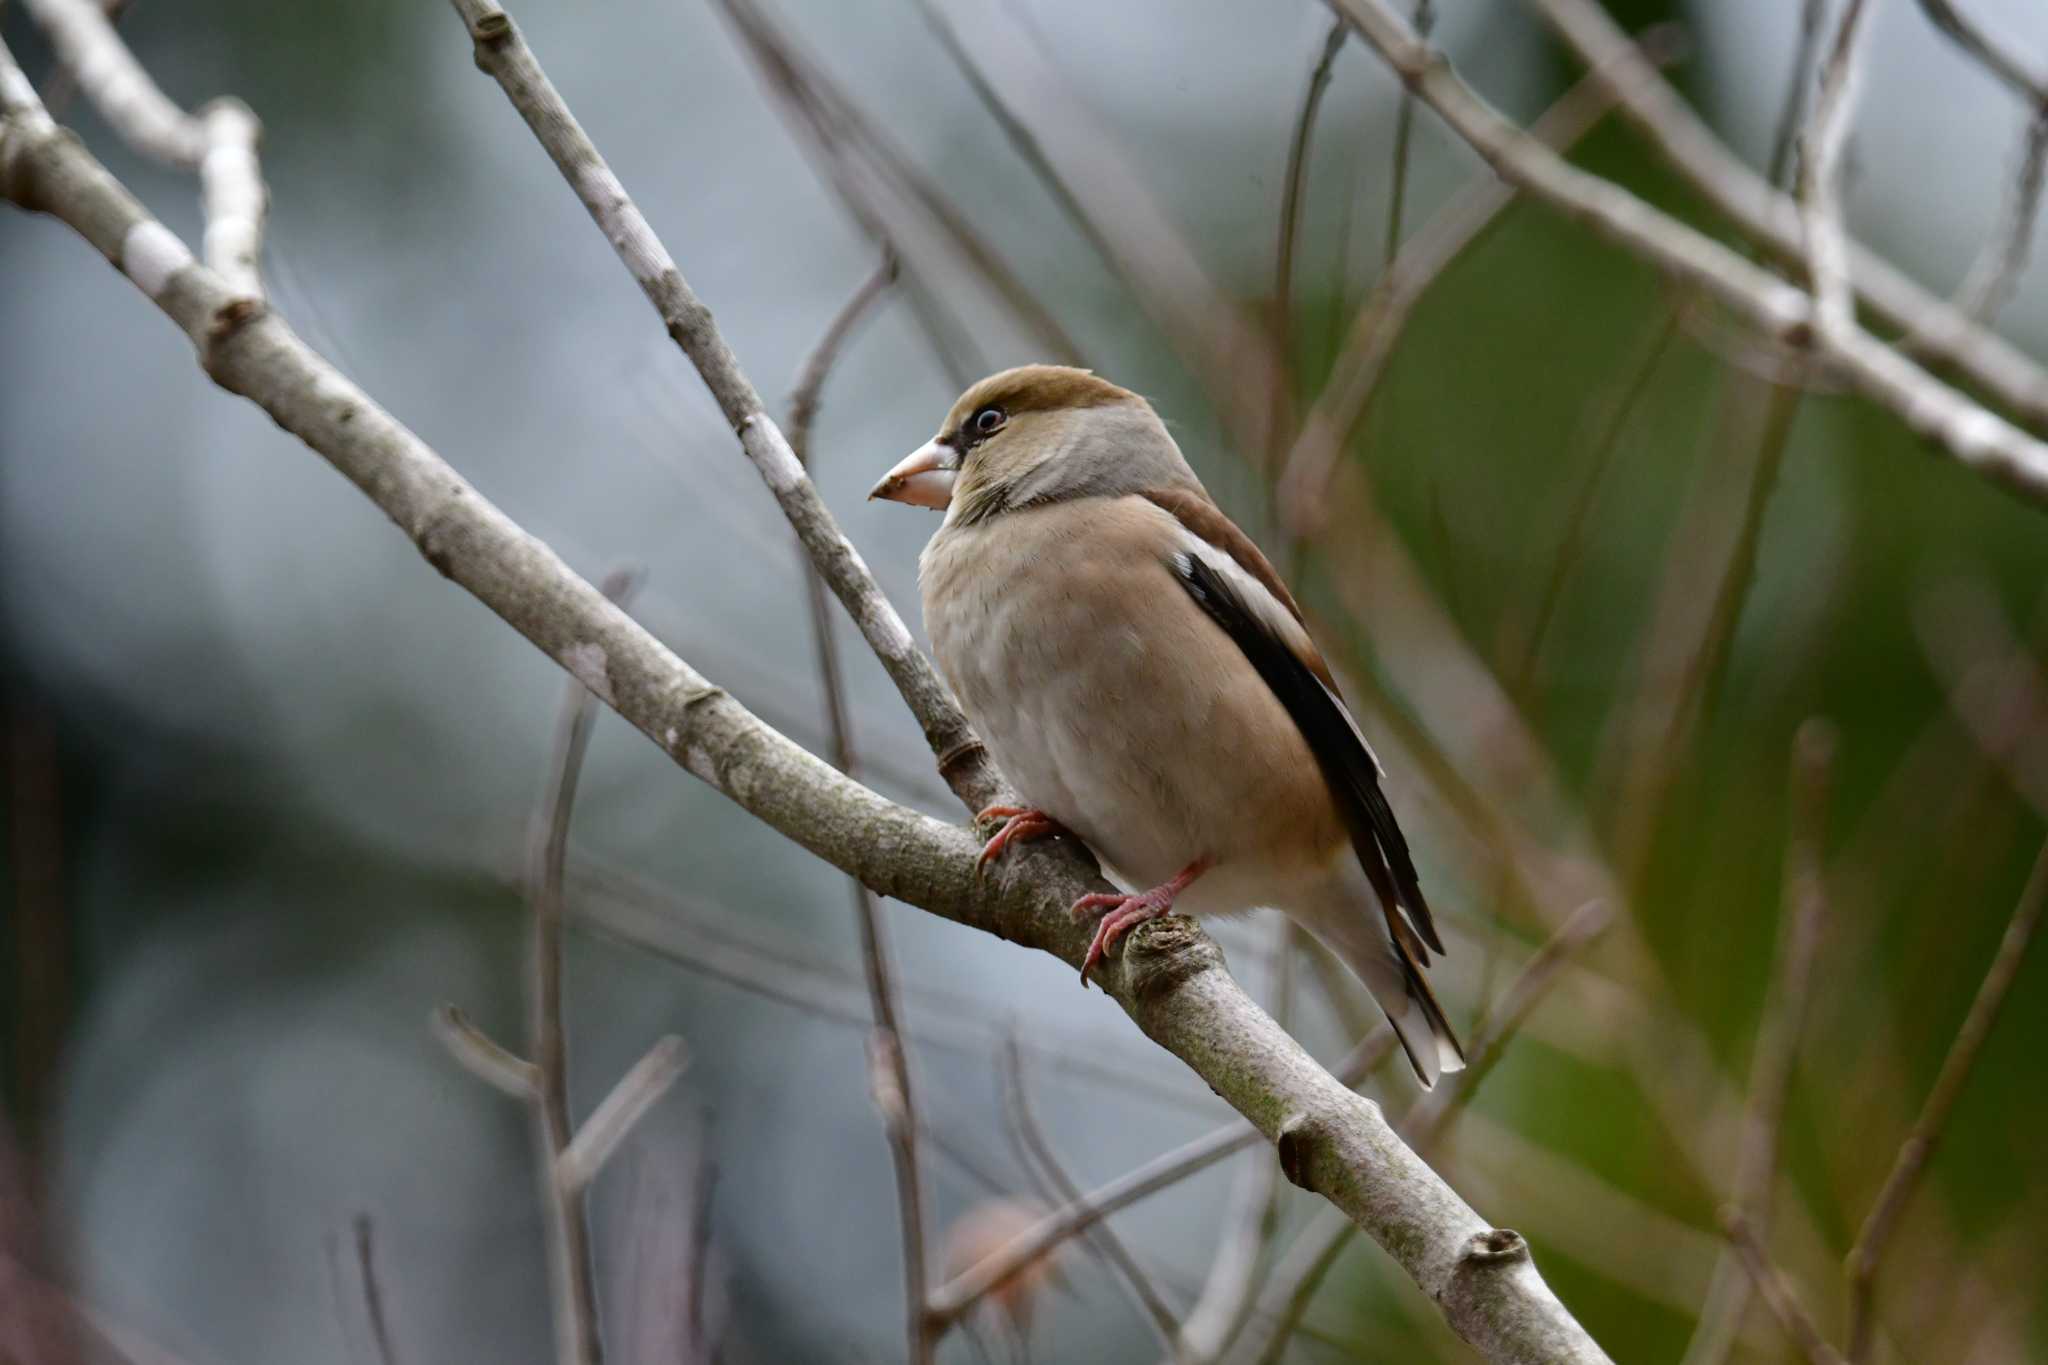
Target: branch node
{"x":1494,"y":1246}
{"x":1295,"y":1145}
{"x":1159,"y":956}
{"x":490,"y":32}
{"x":227,"y":320}
{"x":966,"y":751}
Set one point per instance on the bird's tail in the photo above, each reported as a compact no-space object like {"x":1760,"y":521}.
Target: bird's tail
{"x":1352,"y":926}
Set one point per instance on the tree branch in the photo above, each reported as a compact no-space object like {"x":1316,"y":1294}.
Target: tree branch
{"x":889,"y":1081}
{"x":503,"y":54}
{"x":1169,"y":977}
{"x":1820,"y":178}
{"x":1972,"y":435}
{"x":1772,"y":218}
{"x":218,"y":142}
{"x":1874,"y":1237}
{"x":1777,"y":1044}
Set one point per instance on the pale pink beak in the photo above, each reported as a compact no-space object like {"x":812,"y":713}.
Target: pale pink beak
{"x":924,"y":477}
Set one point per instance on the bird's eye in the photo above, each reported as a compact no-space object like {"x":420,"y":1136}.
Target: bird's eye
{"x":989,"y":421}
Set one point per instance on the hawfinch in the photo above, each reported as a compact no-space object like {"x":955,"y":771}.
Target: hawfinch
{"x":1144,"y":678}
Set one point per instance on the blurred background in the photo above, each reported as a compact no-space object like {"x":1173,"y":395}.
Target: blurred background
{"x":1585,"y":564}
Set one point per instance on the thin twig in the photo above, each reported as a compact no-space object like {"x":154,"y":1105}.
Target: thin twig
{"x":1294,"y":186}
{"x":725,"y":947}
{"x":1303,"y":485}
{"x":1692,"y":698}
{"x":62,"y":85}
{"x":1776,"y":1292}
{"x":879,"y":185}
{"x":805,"y":397}
{"x":577,"y":1340}
{"x":960,"y":1294}
{"x":373,"y":1291}
{"x":1572,"y":538}
{"x":1823,"y":150}
{"x":1996,"y":58}
{"x":1426,"y":1123}
{"x":1792,"y":112}
{"x":1777,"y":1045}
{"x":1229,"y":1290}
{"x":503,"y":54}
{"x":1145,"y":1295}
{"x":218,"y":141}
{"x":1080,"y":164}
{"x":600,"y":1134}
{"x":482,"y":1055}
{"x":1423,"y":19}
{"x":889,"y":1081}
{"x":1874,"y":1237}
{"x":1773,"y":220}
{"x":1989,"y":284}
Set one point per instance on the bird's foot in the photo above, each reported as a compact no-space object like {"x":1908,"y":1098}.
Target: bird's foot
{"x":1020,"y":824}
{"x":1126,"y":910}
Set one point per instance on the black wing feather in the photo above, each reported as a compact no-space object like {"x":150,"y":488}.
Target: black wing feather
{"x":1349,"y":769}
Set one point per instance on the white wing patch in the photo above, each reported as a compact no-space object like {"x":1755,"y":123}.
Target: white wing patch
{"x":1272,"y":614}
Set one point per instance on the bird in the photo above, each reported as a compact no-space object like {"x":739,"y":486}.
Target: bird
{"x":1145,"y":681}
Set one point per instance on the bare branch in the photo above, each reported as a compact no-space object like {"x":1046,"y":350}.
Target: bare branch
{"x":817,"y":367}
{"x":1993,"y":276}
{"x":482,"y":1056}
{"x":1424,"y":1125}
{"x":1423,"y":19}
{"x":1080,"y":165}
{"x":1996,"y":59}
{"x":1792,"y":112}
{"x":1169,"y":978}
{"x":1974,"y":436}
{"x":577,"y":1339}
{"x":1294,"y":186}
{"x":889,"y":1081}
{"x":1874,"y":1237}
{"x":373,"y":1291}
{"x":1772,"y":218}
{"x":879,"y":186}
{"x":607,"y":1125}
{"x":1137,"y":1284}
{"x":1820,"y":174}
{"x":1777,"y":1294}
{"x":1300,"y":1273}
{"x":502,"y":53}
{"x":1777,"y":1044}
{"x":218,"y":142}
{"x":959,"y":1294}
{"x":1228,"y":1290}
{"x":1303,"y":485}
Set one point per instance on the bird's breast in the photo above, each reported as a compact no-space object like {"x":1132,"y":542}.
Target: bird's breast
{"x":1114,"y":704}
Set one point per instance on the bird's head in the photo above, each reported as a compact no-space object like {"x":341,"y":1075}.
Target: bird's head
{"x":1034,"y":435}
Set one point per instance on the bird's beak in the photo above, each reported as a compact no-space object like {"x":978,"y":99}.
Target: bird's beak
{"x":924,"y":477}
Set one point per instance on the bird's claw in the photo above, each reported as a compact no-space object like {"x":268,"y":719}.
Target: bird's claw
{"x":1124,"y":912}
{"x":1019,"y":824}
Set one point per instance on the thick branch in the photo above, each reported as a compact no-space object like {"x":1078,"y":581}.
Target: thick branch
{"x":1169,"y":977}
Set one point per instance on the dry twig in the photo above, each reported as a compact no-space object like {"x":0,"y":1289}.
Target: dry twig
{"x":1777,"y":1044}
{"x":1874,"y":1237}
{"x":889,"y":1081}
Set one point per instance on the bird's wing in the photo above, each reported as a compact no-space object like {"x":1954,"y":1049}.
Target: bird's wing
{"x":1231,"y":586}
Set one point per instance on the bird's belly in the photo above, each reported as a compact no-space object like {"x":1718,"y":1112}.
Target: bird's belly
{"x":1108,"y":725}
